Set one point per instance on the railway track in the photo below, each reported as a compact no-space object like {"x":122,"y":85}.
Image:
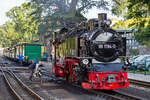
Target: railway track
{"x":114,"y":95}
{"x":139,"y":83}
{"x":5,"y":93}
{"x":111,"y":94}
{"x":18,"y":88}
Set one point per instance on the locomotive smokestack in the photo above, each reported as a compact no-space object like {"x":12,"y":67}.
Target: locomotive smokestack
{"x":101,"y":18}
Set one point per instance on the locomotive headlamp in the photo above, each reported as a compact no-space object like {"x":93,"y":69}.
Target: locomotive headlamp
{"x":108,"y":22}
{"x":85,"y":61}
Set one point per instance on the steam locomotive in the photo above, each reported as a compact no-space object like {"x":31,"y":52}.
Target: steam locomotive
{"x":88,"y":54}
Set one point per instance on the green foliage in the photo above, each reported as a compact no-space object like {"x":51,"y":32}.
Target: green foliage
{"x":131,"y":8}
{"x":49,"y":24}
{"x":49,"y":7}
{"x":25,"y":21}
{"x":56,"y":13}
{"x":23,"y":26}
{"x":124,"y":24}
{"x":43,"y":17}
{"x":8,"y":34}
{"x":119,"y":7}
{"x":134,"y":51}
{"x":138,"y":12}
{"x":143,"y":35}
{"x":138,"y":8}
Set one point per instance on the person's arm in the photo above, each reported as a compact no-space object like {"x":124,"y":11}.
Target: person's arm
{"x":36,"y":67}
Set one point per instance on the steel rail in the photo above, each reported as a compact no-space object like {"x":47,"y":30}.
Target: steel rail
{"x":116,"y":95}
{"x":18,"y":97}
{"x":110,"y":94}
{"x":140,"y":83}
{"x":31,"y":92}
{"x":126,"y":95}
{"x":10,"y":87}
{"x":106,"y":95}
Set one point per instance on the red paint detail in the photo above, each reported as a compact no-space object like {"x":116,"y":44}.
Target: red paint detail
{"x":58,"y":69}
{"x":99,"y":79}
{"x":108,"y":86}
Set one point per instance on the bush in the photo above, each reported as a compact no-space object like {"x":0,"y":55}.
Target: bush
{"x":134,"y":51}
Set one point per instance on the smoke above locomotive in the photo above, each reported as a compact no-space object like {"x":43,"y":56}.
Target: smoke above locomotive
{"x":94,"y":38}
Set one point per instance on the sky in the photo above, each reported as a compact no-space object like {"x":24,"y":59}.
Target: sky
{"x":93,"y":13}
{"x":6,"y":5}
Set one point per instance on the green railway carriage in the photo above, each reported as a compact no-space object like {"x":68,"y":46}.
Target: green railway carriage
{"x":28,"y":51}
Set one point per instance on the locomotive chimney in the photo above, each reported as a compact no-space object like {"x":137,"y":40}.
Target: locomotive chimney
{"x":91,"y":25}
{"x":101,"y":18}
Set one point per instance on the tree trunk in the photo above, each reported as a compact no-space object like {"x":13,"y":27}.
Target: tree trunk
{"x":63,"y":5}
{"x":73,"y":5}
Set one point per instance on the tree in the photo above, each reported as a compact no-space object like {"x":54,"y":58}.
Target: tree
{"x":139,"y":12}
{"x":49,"y":7}
{"x":59,"y":12}
{"x":138,"y":8}
{"x":119,"y":7}
{"x":22,"y":27}
{"x":25,"y":21}
{"x":9,"y":36}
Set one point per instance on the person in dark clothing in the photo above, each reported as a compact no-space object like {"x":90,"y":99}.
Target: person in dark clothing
{"x":32,"y":68}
